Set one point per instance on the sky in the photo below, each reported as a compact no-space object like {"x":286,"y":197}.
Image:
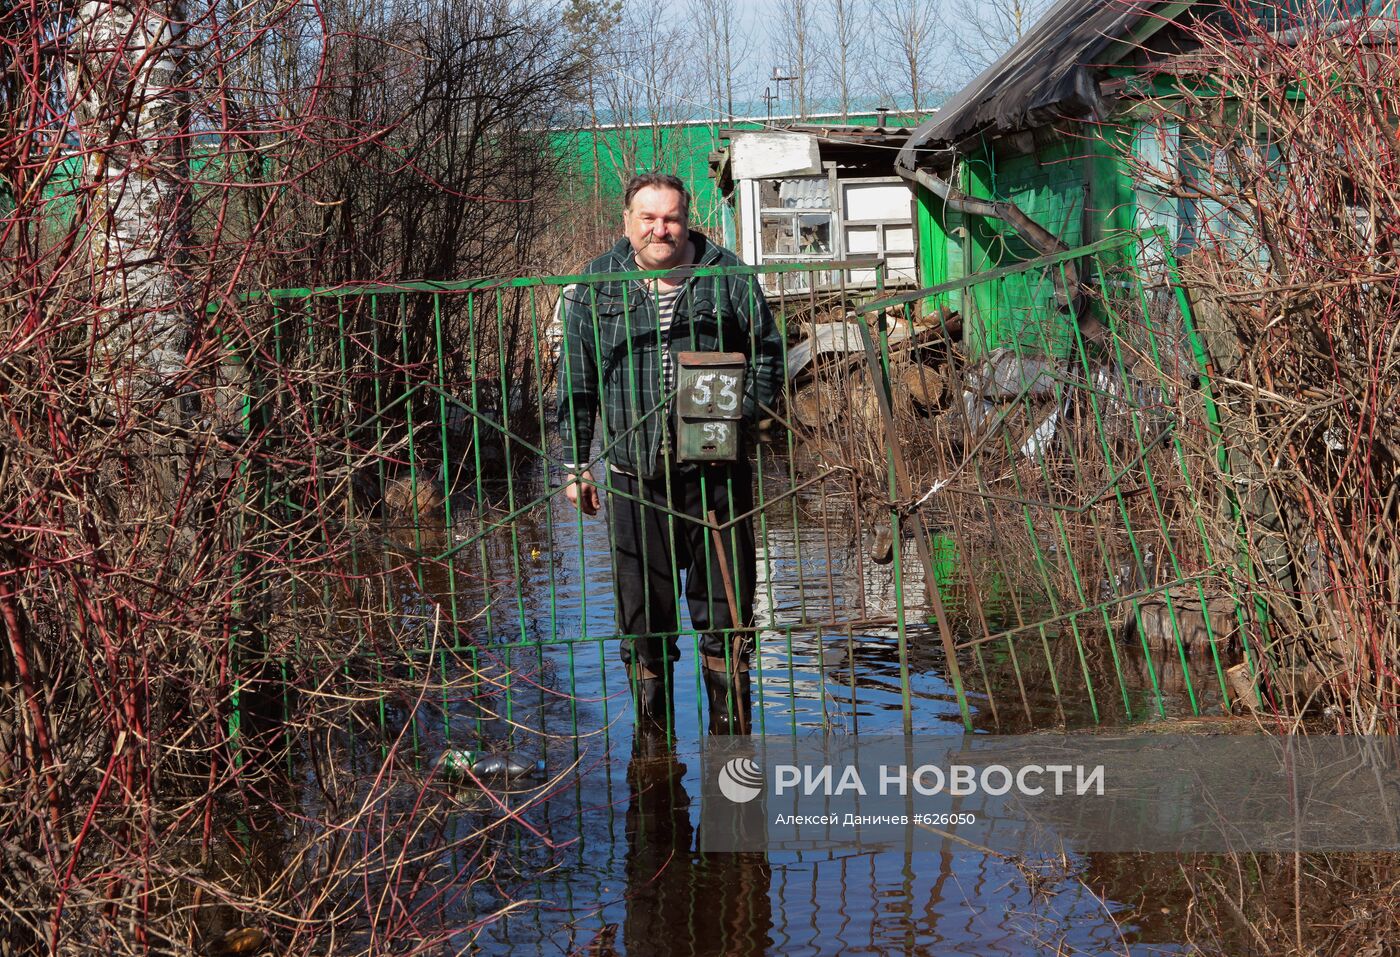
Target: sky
{"x":664,"y":77}
{"x":763,"y":20}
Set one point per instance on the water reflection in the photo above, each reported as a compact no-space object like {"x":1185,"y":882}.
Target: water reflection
{"x":625,"y":876}
{"x":679,"y":901}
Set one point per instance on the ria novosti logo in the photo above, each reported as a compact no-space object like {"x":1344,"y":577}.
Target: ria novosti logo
{"x":740,"y":780}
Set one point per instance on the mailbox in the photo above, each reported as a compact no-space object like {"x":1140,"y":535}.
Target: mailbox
{"x":709,"y":405}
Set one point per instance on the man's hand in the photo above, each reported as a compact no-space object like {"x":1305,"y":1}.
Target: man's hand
{"x":580,"y":490}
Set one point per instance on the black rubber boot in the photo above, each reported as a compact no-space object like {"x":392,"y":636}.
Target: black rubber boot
{"x":731,"y":709}
{"x":653,"y":699}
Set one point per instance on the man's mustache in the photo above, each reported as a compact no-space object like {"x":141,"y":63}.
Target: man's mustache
{"x":650,"y":240}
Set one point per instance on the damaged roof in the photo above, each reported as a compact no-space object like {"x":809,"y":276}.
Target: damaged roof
{"x":858,"y":148}
{"x":1049,"y":74}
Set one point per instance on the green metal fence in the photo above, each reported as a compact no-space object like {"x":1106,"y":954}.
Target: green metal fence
{"x":1029,"y":539}
{"x":1087,"y":495}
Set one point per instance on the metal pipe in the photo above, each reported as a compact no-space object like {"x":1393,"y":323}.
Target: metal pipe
{"x":1035,"y":235}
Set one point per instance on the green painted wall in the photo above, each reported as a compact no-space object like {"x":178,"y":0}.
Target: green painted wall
{"x":941,"y":257}
{"x":1050,"y":185}
{"x":1075,"y":184}
{"x":682,"y":149}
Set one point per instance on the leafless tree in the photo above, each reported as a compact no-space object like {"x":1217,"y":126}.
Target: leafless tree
{"x":724,"y":47}
{"x":985,"y":29}
{"x":160,"y":159}
{"x":650,"y":86}
{"x":592,"y":25}
{"x":845,"y":33}
{"x":474,"y":133}
{"x":797,"y":49}
{"x":909,"y":29}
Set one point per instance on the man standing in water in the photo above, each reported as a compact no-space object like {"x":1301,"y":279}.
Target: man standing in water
{"x":621,"y":342}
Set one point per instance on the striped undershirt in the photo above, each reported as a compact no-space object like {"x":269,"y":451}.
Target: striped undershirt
{"x":665,"y":314}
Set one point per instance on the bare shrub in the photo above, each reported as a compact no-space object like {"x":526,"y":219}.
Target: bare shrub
{"x":1283,"y":128}
{"x":208,"y":693}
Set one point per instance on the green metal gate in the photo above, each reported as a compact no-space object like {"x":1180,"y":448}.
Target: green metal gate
{"x":1023,"y":539}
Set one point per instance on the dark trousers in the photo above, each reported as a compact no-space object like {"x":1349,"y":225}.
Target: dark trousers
{"x":651,"y":547}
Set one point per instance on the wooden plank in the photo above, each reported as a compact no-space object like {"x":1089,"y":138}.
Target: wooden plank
{"x":765,"y":155}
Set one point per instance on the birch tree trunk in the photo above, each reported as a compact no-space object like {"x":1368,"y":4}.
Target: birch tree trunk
{"x":126,"y":83}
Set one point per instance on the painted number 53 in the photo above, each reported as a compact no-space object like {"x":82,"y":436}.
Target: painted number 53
{"x":716,"y":432}
{"x":723,"y":389}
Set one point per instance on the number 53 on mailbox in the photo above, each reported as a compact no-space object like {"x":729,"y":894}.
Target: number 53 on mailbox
{"x":709,"y":405}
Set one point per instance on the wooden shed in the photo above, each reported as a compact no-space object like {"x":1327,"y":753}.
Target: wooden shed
{"x":811,"y":193}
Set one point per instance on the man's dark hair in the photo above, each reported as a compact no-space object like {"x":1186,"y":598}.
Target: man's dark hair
{"x":641,"y":181}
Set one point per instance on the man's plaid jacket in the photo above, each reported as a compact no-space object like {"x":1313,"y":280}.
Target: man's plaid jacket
{"x":610,"y":369}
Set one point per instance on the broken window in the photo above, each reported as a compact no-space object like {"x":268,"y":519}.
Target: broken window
{"x":797,"y":223}
{"x":796,"y":235}
{"x":819,"y":218}
{"x":798,"y":192}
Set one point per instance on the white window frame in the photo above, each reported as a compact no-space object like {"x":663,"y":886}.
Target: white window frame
{"x":882,"y":250}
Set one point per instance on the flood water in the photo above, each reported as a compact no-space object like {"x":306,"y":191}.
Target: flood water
{"x":608,"y":863}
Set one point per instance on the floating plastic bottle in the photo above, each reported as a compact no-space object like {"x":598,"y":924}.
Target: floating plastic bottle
{"x":458,"y":763}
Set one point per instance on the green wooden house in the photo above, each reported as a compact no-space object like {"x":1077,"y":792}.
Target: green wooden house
{"x":1032,"y":158}
{"x":1046,"y":149}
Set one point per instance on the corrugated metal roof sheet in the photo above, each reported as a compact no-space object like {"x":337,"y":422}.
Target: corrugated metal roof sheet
{"x":808,"y":192}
